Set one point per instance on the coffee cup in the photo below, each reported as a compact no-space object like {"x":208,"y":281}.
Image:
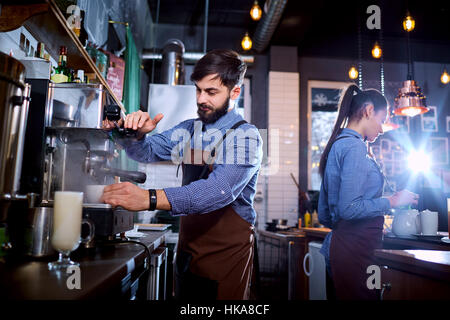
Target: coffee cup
{"x":429,"y":222}
{"x":94,"y":193}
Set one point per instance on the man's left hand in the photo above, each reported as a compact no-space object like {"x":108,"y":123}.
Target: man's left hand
{"x":127,"y":196}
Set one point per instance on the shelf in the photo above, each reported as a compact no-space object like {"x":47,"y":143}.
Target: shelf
{"x":51,"y":29}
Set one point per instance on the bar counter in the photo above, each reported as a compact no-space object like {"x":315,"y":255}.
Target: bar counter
{"x":110,"y":270}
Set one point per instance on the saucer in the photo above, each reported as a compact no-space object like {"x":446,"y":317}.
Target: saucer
{"x":132,"y":234}
{"x":445,"y":239}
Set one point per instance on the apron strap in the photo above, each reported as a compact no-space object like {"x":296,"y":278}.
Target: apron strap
{"x":213,"y":152}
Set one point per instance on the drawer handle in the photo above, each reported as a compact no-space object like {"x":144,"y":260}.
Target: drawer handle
{"x":385,"y":287}
{"x":311,"y":264}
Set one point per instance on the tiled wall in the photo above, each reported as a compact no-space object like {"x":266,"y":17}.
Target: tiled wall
{"x":283,"y":114}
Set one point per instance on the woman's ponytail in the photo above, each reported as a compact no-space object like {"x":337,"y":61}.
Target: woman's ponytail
{"x":344,"y":113}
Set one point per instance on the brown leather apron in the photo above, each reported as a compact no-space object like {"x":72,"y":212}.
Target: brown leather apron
{"x":215,"y":249}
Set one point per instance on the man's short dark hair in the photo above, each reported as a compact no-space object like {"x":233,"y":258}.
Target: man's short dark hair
{"x":230,"y":69}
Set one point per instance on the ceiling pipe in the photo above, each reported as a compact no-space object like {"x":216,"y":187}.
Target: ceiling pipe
{"x":267,"y":25}
{"x":189,"y":57}
{"x":205,"y":28}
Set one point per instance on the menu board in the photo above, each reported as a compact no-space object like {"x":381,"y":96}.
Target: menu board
{"x":115,"y":76}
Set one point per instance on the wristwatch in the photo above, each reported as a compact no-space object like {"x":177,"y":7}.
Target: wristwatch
{"x":152,"y":198}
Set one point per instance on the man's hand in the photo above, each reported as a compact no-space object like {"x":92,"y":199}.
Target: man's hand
{"x":127,"y":196}
{"x":109,"y":125}
{"x":142,"y":122}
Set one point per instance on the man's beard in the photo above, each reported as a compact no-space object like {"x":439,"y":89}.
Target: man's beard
{"x":215,"y":115}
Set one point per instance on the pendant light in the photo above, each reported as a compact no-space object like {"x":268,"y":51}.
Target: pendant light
{"x":389,"y":125}
{"x":445,"y":78}
{"x":376,"y":51}
{"x":246,"y":42}
{"x":410,"y":101}
{"x":409,"y":23}
{"x":353,"y":73}
{"x":255,"y":11}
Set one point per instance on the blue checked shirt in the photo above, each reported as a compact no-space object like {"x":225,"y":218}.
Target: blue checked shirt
{"x":235,"y":171}
{"x":352,"y":186}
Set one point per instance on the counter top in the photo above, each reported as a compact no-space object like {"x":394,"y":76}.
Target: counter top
{"x":431,"y":263}
{"x":390,"y":241}
{"x":102,"y":269}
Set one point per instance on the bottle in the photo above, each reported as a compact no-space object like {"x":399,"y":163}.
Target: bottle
{"x":315,"y":219}
{"x":61,"y":72}
{"x":79,"y":78}
{"x":83,"y":34}
{"x":307,"y":218}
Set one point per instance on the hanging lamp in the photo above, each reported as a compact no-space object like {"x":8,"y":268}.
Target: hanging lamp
{"x":445,"y":77}
{"x":246,"y":42}
{"x":353,"y":73}
{"x":410,"y":101}
{"x":255,"y":11}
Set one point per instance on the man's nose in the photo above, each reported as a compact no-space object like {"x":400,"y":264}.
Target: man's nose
{"x":201,"y":98}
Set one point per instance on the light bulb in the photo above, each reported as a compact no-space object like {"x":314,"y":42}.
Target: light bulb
{"x":376,"y":51}
{"x":353,"y":73}
{"x":246,"y":42}
{"x":255,"y":11}
{"x":445,"y":78}
{"x":409,"y":23}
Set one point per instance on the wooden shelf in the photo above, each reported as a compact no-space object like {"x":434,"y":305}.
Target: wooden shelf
{"x":51,"y":29}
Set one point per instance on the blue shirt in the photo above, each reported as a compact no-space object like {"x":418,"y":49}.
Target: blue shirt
{"x":352,"y":185}
{"x":235,"y":170}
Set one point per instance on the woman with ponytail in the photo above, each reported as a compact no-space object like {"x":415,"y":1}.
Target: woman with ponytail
{"x":350,"y":200}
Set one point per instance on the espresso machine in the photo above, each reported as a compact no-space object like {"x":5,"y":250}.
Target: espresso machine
{"x":66,"y":149}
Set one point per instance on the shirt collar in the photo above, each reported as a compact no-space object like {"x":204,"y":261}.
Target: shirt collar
{"x":351,"y":132}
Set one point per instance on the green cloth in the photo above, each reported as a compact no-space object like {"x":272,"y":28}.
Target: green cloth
{"x":132,"y":87}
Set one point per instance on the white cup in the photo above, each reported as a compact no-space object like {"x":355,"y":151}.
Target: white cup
{"x":429,"y":222}
{"x":94,"y":192}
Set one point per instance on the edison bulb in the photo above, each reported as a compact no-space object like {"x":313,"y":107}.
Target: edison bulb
{"x":246,"y":42}
{"x":353,"y":73}
{"x":409,"y":23}
{"x":376,"y":51}
{"x":255,"y":11}
{"x":445,"y":78}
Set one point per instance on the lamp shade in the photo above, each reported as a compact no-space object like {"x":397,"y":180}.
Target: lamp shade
{"x":410,"y":101}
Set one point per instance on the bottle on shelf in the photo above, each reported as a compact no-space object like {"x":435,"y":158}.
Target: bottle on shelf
{"x":315,"y":220}
{"x":79,"y":78}
{"x":61,"y":72}
{"x":307,"y":218}
{"x":83,"y":34}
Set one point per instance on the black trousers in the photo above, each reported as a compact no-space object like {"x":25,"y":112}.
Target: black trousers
{"x":331,"y":293}
{"x":191,"y":287}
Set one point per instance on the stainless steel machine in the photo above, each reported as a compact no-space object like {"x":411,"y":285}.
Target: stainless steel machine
{"x":59,"y":146}
{"x":14,"y":103}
